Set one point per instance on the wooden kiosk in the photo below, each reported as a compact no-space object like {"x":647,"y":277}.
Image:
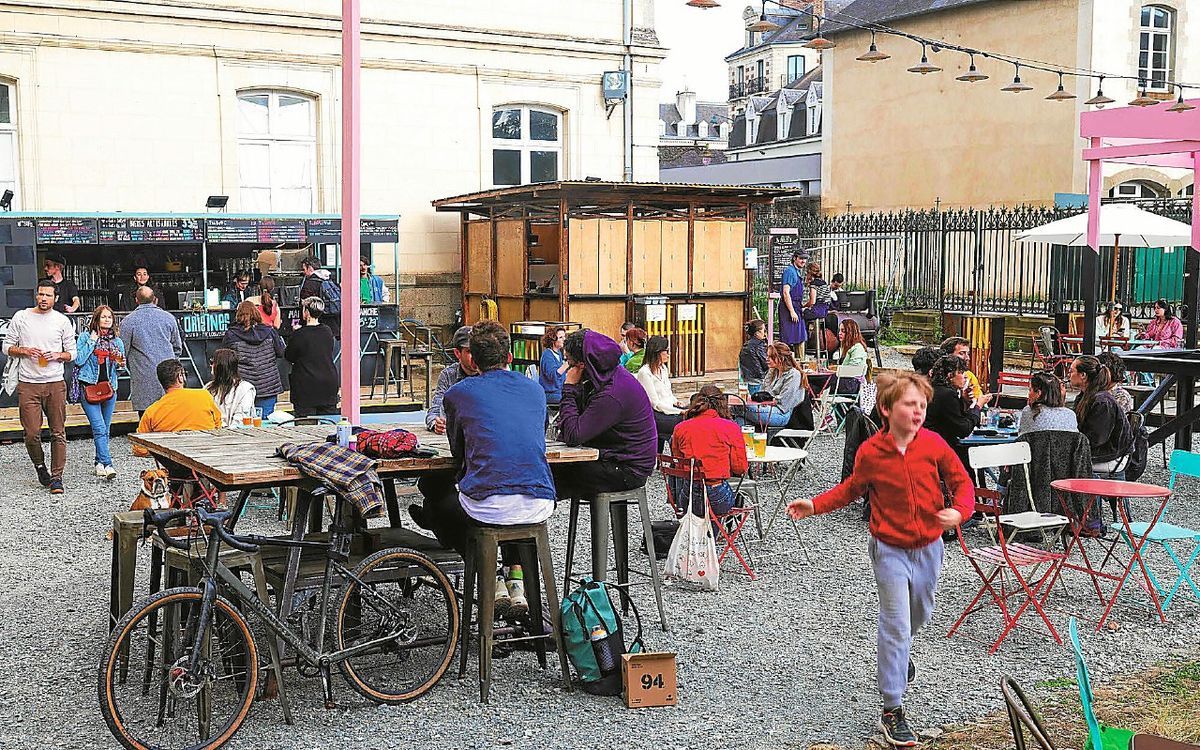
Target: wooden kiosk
{"x":601,"y":253}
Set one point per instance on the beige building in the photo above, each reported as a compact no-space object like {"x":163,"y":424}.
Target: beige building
{"x":152,"y":105}
{"x":897,"y":139}
{"x":771,"y":60}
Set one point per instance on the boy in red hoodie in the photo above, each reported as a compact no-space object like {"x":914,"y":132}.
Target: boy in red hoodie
{"x":902,"y":469}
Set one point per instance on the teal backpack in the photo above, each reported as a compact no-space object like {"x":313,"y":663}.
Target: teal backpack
{"x":584,"y":608}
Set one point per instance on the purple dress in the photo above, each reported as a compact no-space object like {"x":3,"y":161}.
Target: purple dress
{"x":792,"y":333}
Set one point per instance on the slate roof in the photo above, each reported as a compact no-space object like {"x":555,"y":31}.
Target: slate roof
{"x":796,"y":27}
{"x":888,"y":11}
{"x":803,"y":82}
{"x":714,"y":113}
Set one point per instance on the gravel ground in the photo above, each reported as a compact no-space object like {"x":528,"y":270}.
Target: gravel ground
{"x":783,"y":661}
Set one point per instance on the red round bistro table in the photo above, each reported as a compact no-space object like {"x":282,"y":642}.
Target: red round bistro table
{"x":1094,"y":489}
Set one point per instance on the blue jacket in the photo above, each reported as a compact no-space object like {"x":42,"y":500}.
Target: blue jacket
{"x":496,"y":424}
{"x":89,"y":365}
{"x":549,"y":377}
{"x":151,"y":335}
{"x":376,"y":289}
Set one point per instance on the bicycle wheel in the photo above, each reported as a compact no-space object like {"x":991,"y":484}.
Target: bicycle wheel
{"x":148,"y":695}
{"x":400,"y":600}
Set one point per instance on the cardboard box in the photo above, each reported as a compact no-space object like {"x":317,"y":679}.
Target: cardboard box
{"x":648,"y":679}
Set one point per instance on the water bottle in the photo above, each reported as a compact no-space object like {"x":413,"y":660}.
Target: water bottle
{"x":605,"y":658}
{"x":343,"y":433}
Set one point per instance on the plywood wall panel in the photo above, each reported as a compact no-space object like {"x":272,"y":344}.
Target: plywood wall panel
{"x":583,"y":240}
{"x":674,"y":271}
{"x":603,"y":316}
{"x":510,"y":257}
{"x":722,"y":333}
{"x":613,"y":255}
{"x":709,"y":237}
{"x":647,"y":256}
{"x":543,"y":309}
{"x":511,"y":310}
{"x":479,"y":257}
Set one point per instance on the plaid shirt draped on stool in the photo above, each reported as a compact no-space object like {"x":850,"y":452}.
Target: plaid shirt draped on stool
{"x":350,"y":474}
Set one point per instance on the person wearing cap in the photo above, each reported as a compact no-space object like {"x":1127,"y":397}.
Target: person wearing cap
{"x":68,"y":294}
{"x":1113,"y":323}
{"x":792,"y":330}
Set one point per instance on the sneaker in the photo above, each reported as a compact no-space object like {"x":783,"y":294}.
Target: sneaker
{"x":503,"y":603}
{"x":516,"y":592}
{"x":56,"y":487}
{"x":100,"y":472}
{"x":110,"y":472}
{"x":912,"y":671}
{"x":43,"y":475}
{"x":895,"y":728}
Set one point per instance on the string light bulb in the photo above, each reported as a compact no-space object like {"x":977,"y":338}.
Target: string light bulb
{"x":1141,"y":100}
{"x":873,"y":55}
{"x":924,"y":67}
{"x":1099,"y":100}
{"x":1017,"y":86}
{"x":1181,"y":105}
{"x":703,"y":4}
{"x":818,"y":42}
{"x":972,"y":75}
{"x":1062,"y":94}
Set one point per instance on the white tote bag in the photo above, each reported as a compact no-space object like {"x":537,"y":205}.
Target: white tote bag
{"x":693,"y":554}
{"x":10,"y":375}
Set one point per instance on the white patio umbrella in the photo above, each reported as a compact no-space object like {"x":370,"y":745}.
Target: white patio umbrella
{"x":1119,"y":222}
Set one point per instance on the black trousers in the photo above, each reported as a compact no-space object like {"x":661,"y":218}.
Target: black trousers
{"x":665,"y":424}
{"x":445,"y":517}
{"x":308,"y":411}
{"x":587,"y":479}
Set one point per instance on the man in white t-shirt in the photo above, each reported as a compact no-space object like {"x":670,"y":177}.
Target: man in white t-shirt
{"x":43,"y":339}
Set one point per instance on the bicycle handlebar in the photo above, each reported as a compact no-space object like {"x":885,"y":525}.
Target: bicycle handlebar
{"x":213,"y":519}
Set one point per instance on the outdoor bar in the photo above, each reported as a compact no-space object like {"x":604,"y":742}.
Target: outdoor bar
{"x":670,"y":257}
{"x":192,"y":259}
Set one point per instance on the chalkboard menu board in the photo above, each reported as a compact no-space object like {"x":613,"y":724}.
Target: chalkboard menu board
{"x":370,"y":230}
{"x":783,"y":242}
{"x":280,"y":230}
{"x":141,"y":230}
{"x":232,"y":231}
{"x":66,"y":231}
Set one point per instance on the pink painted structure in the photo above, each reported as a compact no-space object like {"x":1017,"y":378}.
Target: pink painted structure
{"x":351,"y":208}
{"x":1141,"y":135}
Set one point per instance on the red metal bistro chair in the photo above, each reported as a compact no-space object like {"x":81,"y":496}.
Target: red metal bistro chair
{"x":687,"y":472}
{"x":1000,"y":569}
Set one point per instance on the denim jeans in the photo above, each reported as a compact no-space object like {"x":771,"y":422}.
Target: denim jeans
{"x":267,"y":404}
{"x":100,"y":418}
{"x":763,"y":417}
{"x":721,"y":497}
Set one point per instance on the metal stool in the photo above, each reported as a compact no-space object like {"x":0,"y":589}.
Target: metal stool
{"x":483,"y":545}
{"x":126,"y":531}
{"x":391,"y":352}
{"x":614,"y":507}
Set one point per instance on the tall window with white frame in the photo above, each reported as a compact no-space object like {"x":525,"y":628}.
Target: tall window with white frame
{"x":8,"y":141}
{"x":1156,"y":47}
{"x":795,"y":68}
{"x":277,"y":152}
{"x":527,"y":145}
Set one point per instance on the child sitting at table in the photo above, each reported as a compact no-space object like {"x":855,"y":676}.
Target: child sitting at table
{"x":901,"y":469}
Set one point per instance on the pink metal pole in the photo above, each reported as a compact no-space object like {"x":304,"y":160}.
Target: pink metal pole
{"x":1095,"y":170}
{"x":351,"y":115}
{"x":1195,"y":201}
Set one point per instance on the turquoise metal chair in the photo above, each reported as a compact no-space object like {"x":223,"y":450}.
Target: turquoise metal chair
{"x":1165,"y":534}
{"x":1100,"y":736}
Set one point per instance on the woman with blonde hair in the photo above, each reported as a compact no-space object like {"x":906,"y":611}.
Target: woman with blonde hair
{"x":786,"y":383}
{"x":258,"y":348}
{"x":98,"y":353}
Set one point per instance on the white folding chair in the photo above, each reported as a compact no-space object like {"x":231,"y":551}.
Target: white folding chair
{"x":830,"y":419}
{"x":1046,"y":525}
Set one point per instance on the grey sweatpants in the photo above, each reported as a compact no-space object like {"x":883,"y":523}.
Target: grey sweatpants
{"x":907,"y":581}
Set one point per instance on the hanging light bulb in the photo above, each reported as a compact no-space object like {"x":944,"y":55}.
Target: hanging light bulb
{"x":1099,"y":100}
{"x":873,"y":54}
{"x":703,"y":4}
{"x":763,"y":25}
{"x":1181,"y":105}
{"x":1062,"y":94}
{"x":972,"y":75}
{"x":1017,"y":86}
{"x":819,"y":42}
{"x":924,"y":67}
{"x":1141,"y":100}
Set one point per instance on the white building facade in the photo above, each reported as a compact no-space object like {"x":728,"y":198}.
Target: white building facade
{"x":150,"y":105}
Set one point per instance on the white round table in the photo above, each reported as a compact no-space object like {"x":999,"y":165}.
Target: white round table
{"x":794,"y":458}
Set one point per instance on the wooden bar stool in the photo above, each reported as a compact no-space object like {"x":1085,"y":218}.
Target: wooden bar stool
{"x":479,"y":584}
{"x":613,"y":507}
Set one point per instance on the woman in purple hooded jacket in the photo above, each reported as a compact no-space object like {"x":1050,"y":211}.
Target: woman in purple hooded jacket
{"x":604,"y":407}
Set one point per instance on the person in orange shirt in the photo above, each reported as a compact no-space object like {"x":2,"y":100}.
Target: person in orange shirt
{"x":180,"y":408}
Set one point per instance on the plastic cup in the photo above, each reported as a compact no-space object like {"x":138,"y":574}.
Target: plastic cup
{"x":247,"y":420}
{"x":748,"y":436}
{"x":43,"y":360}
{"x":760,"y":444}
{"x":258,"y":417}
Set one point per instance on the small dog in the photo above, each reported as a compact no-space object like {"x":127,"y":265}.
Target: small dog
{"x":156,"y":491}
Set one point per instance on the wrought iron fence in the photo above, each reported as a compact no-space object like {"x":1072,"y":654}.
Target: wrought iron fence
{"x":966,"y":260}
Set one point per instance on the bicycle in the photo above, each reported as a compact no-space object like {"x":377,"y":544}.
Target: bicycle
{"x":394,"y":626}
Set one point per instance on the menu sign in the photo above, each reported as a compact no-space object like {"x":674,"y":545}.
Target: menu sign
{"x":280,"y":230}
{"x":66,"y":231}
{"x":232,"y":231}
{"x":142,"y":230}
{"x":370,"y":230}
{"x":783,"y":242}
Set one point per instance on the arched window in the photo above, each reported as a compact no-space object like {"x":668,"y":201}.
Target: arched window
{"x":277,"y":152}
{"x":1135,"y":189}
{"x":526,"y":145}
{"x":8,"y":141}
{"x":1156,"y":46}
{"x":1188,"y":191}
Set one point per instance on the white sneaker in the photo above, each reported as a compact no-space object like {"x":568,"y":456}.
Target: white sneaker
{"x":100,"y":472}
{"x":110,"y":472}
{"x":516,"y":592}
{"x":503,"y":602}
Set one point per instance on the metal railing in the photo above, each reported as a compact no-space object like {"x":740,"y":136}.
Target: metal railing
{"x":748,"y":87}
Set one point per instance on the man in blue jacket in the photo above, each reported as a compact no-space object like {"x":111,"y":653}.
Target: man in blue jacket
{"x":496,"y":425}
